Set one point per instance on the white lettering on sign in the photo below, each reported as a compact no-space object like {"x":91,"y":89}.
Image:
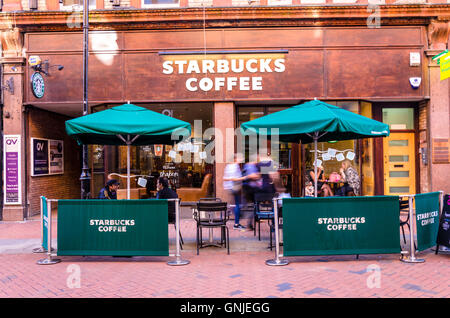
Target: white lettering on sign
{"x":224,"y":66}
{"x":111,"y":225}
{"x":427,"y":218}
{"x":340,"y":224}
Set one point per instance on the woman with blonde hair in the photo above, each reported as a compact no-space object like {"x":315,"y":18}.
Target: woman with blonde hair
{"x":351,"y":179}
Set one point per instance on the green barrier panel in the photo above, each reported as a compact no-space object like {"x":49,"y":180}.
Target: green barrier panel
{"x":427,"y":219}
{"x":113,"y":227}
{"x":45,"y":221}
{"x":341,"y":225}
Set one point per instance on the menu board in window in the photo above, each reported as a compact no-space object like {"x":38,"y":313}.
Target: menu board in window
{"x":47,"y":157}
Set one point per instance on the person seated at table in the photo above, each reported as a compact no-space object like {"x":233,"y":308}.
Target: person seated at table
{"x":109,"y":192}
{"x":322,"y":187}
{"x":164,"y":192}
{"x":351,"y":179}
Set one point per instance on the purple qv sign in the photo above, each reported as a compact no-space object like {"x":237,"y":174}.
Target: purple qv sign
{"x":11,"y":169}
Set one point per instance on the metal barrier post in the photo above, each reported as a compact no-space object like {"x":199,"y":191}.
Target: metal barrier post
{"x":49,"y":260}
{"x":277,"y":261}
{"x":178,"y":261}
{"x":40,"y":249}
{"x":412,"y":257}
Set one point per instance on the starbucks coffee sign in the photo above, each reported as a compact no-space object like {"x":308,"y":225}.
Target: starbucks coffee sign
{"x":224,"y":74}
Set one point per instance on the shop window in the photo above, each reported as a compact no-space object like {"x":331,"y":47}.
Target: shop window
{"x":76,"y":5}
{"x":331,"y":154}
{"x":284,"y":149}
{"x":186,"y":170}
{"x":399,"y":118}
{"x":367,"y":161}
{"x":160,"y":3}
{"x":97,"y":164}
{"x":279,"y":2}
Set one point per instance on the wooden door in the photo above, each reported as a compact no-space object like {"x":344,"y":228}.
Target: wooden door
{"x":399,"y":164}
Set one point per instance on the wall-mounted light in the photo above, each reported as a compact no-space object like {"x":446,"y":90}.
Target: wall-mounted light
{"x":42,"y":66}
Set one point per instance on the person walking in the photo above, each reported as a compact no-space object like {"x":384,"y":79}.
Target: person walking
{"x":232,"y":182}
{"x":252,"y":180}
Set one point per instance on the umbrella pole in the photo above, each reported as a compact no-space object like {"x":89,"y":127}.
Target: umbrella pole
{"x":315,"y":163}
{"x":128,"y":166}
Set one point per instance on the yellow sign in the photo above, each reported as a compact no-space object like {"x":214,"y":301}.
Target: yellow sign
{"x":445,"y":66}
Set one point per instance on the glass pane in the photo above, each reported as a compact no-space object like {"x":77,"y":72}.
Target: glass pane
{"x":160,"y":1}
{"x":153,"y":161}
{"x":351,"y":106}
{"x":92,"y":3}
{"x":399,"y":189}
{"x":367,"y":163}
{"x":399,"y":158}
{"x":274,"y":109}
{"x":399,"y":118}
{"x":399,"y":174}
{"x":98,"y":158}
{"x":398,"y":143}
{"x":249,"y":113}
{"x":332,"y":155}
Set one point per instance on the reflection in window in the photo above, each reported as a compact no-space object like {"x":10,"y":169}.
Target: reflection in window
{"x":398,"y":143}
{"x":331,"y":155}
{"x":77,"y":3}
{"x":284,"y":149}
{"x":399,"y":189}
{"x":404,"y":158}
{"x":399,"y":118}
{"x":150,"y":3}
{"x":153,"y":161}
{"x":97,"y":163}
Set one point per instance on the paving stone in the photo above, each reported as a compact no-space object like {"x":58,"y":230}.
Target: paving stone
{"x":213,"y":273}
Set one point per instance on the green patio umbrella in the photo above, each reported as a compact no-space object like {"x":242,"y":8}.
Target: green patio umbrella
{"x":316,"y":121}
{"x":128,"y":125}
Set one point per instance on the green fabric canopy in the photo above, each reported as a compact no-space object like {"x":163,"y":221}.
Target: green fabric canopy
{"x":127,"y":124}
{"x":103,"y":128}
{"x":315,"y":121}
{"x":299,"y":123}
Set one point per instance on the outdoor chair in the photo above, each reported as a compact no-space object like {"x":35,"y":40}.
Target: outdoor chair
{"x":211,"y":199}
{"x":264,"y":211}
{"x":172,"y":218}
{"x":404,"y":207}
{"x":212,"y":214}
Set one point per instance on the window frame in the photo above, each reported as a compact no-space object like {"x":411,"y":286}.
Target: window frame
{"x":75,"y":7}
{"x":159,"y":5}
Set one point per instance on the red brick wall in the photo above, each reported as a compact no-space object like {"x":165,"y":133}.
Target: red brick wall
{"x":44,"y":124}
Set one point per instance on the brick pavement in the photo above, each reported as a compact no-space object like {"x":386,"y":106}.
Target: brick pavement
{"x":213,"y":273}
